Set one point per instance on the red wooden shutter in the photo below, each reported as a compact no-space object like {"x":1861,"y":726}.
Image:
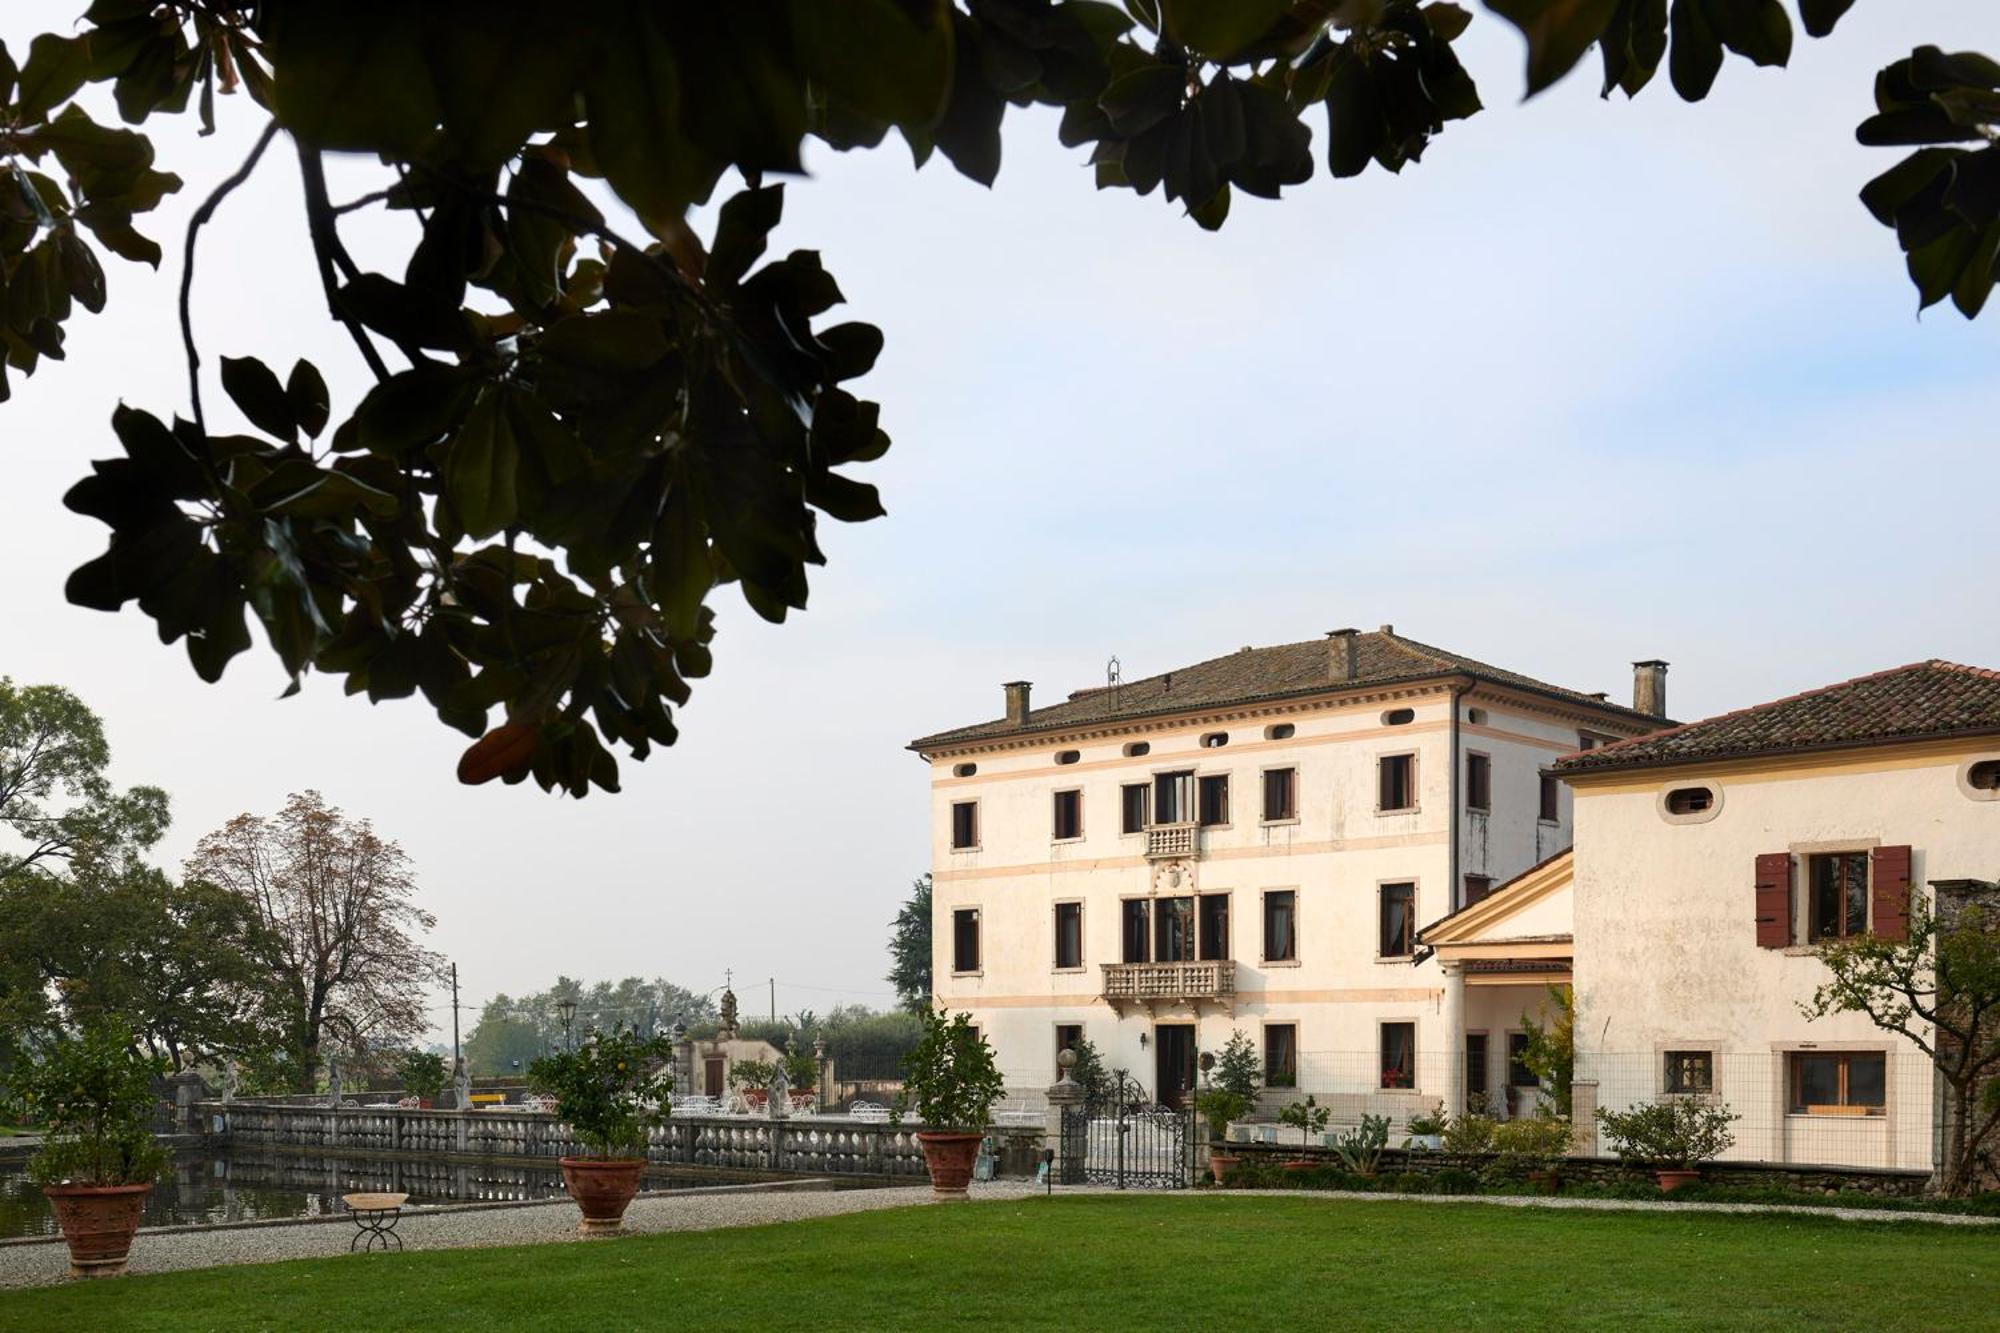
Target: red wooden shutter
{"x":1889,"y":892}
{"x":1774,"y":900}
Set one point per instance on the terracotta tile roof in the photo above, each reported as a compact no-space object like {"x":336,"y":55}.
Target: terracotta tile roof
{"x":1382,"y":657}
{"x":1915,"y":702}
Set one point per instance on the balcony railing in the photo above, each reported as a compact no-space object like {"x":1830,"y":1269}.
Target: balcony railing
{"x":1167,"y":841}
{"x":1155,"y":984}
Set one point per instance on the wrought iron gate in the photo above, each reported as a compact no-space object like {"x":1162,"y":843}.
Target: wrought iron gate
{"x":1123,"y":1140}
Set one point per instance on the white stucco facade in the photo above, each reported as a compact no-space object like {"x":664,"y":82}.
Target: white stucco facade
{"x":1335,"y":853}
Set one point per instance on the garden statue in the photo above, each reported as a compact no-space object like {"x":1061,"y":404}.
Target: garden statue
{"x":333,"y":1080}
{"x":462,"y":1084}
{"x":779,"y":1103}
{"x":228,"y":1081}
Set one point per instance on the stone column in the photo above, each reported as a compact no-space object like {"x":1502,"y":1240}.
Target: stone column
{"x":1454,"y":1038}
{"x":1065,"y":1094}
{"x":1583,"y":1117}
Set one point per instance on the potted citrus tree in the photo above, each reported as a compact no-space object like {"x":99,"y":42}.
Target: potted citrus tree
{"x":1309,"y":1118}
{"x":1674,"y":1137}
{"x":1533,"y":1146}
{"x":92,"y":1094}
{"x":951,"y":1082}
{"x":610,"y":1090}
{"x":423,"y":1076}
{"x":1221,"y":1106}
{"x":755,"y":1077}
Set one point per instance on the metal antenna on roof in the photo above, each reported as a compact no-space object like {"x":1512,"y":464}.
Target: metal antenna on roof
{"x":1114,"y":676}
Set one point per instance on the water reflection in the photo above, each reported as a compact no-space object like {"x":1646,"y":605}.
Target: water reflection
{"x":253,"y":1186}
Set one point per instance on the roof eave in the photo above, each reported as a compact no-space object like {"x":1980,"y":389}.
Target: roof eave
{"x":1562,"y":768}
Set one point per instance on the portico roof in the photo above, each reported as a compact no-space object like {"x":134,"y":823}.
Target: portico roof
{"x":1521,"y":927}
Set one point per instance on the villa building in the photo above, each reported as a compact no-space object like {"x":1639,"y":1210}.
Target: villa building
{"x":1710,"y":859}
{"x":1250,"y":844}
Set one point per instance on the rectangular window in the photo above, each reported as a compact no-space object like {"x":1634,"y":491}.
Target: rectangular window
{"x":1132,"y":802}
{"x":1839,"y":1082}
{"x":1214,"y":927}
{"x":1069,"y":934}
{"x":1281,"y":1055}
{"x":1690,"y":1071}
{"x":965,"y":940}
{"x":1551,"y":808}
{"x":1068,"y":815}
{"x":1399,"y":1055}
{"x":1136,"y":930}
{"x":1478,"y":782}
{"x":1398,"y":937}
{"x":1839,"y":886}
{"x":1475,"y":1070}
{"x":964,"y":825}
{"x":1396,"y":786}
{"x":1173,"y":798}
{"x":1281,"y":794}
{"x":1281,"y":943}
{"x":1476,"y":887}
{"x":1069,"y":1036}
{"x":1518,"y":1073}
{"x":1173,"y":930}
{"x":1214,"y":800}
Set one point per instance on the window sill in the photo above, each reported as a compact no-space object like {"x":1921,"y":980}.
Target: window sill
{"x":1278,"y":962}
{"x":1399,"y":959}
{"x":1065,"y":842}
{"x":1837,"y":1117}
{"x":977,"y":972}
{"x":1399,"y":810}
{"x":1549,"y":823}
{"x":959,"y":850}
{"x":1478,"y":809}
{"x":1278,"y":823}
{"x":1068,"y":971}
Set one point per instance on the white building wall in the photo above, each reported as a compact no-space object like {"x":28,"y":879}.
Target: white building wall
{"x":1666,"y":948}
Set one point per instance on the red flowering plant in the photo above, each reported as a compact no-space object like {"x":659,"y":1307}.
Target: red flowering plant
{"x":610,"y":1090}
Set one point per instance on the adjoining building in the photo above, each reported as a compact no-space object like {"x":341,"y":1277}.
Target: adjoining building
{"x":1251,"y":843}
{"x":1712,"y":858}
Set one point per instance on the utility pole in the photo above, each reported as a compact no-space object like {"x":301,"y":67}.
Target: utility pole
{"x":774,"y":999}
{"x":457,"y":1060}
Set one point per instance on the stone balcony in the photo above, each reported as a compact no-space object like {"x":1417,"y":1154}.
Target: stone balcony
{"x":1156,"y":984}
{"x":1170,"y":842}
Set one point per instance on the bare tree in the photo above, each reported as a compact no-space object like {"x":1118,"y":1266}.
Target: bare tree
{"x":338,"y":902}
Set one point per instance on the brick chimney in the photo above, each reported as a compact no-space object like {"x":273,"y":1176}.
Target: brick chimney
{"x":1017,"y":700}
{"x":1649,"y":687}
{"x":1340,"y":658}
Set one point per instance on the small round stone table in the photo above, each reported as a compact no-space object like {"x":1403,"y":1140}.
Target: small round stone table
{"x":375,"y":1217}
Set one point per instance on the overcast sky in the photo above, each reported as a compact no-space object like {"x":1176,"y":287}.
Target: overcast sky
{"x":1594,"y":382}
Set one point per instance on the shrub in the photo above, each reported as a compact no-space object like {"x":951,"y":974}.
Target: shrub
{"x":1307,"y":1117}
{"x":1090,"y":1074}
{"x":423,"y":1074}
{"x":1469,"y":1133}
{"x":92,"y":1096}
{"x":1238,"y":1069}
{"x":1428,"y":1122}
{"x":1361,"y":1148}
{"x":801,"y":1068}
{"x":1530,"y":1143}
{"x":757,"y":1075}
{"x":1678,"y":1132}
{"x":1550,"y":1052}
{"x":1218,"y":1106}
{"x":950,"y":1077}
{"x":610,"y":1090}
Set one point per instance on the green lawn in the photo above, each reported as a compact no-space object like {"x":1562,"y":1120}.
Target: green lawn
{"x":1116,"y":1262}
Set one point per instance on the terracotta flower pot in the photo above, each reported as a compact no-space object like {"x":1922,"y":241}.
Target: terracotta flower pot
{"x":603,"y":1188}
{"x":1548,"y":1181}
{"x":1672,"y":1178}
{"x":950,"y":1158}
{"x":1219,"y":1164}
{"x":1300,"y":1164}
{"x":98,"y":1221}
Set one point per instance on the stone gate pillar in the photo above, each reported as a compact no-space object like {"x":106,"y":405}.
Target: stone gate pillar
{"x":1064,"y":1095}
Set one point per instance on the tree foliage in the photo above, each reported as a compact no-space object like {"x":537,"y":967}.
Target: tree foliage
{"x":55,"y":800}
{"x":336,"y":903}
{"x":910,"y":948}
{"x":1550,"y":1049}
{"x":585,"y":434}
{"x":512,"y":1030}
{"x":1938,"y":987}
{"x":91,"y":1095}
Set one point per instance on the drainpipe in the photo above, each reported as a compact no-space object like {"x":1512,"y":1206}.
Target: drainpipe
{"x":1451,"y":791}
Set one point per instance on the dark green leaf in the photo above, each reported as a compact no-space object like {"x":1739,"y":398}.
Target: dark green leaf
{"x":888,"y":59}
{"x":1558,"y":33}
{"x":1975,"y":280}
{"x":1696,"y":57}
{"x":741,"y":229}
{"x":1215,"y":212}
{"x":1138,"y":101}
{"x":56,"y":68}
{"x":1819,"y":16}
{"x":306,"y":396}
{"x":1759,"y":29}
{"x":353,"y":75}
{"x":256,"y":391}
{"x":1935,"y":268}
{"x":1220,"y":29}
{"x":480,"y":466}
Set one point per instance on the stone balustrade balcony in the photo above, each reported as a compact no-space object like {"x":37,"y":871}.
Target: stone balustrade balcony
{"x":1165,"y":842}
{"x":1167,"y":984}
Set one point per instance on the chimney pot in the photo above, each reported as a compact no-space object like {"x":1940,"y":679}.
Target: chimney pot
{"x":1649,"y":687}
{"x":1388,"y":629}
{"x":1340,"y":663}
{"x":1017,"y":700}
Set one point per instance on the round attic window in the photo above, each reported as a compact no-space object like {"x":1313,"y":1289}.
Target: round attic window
{"x":1280,"y":731}
{"x":1690,"y":802}
{"x":1067,"y":756}
{"x":1399,"y":717}
{"x":1476,"y":716}
{"x":1215,"y":740}
{"x":1980,"y":779}
{"x":964,"y":770}
{"x":1136,"y":749}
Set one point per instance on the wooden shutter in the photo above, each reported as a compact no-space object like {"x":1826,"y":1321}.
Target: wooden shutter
{"x":1774,"y":900}
{"x":1889,"y":892}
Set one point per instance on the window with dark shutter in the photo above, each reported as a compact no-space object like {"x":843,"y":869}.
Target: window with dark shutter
{"x":1069,"y":935}
{"x":1281,"y":1055}
{"x":1281,"y":943}
{"x":1133,"y":798}
{"x":1399,"y":1055}
{"x":1173,"y":930}
{"x":1173,"y":798}
{"x":1837,"y":895}
{"x":1477,"y":887}
{"x":1281,"y":786}
{"x":1890,"y":892}
{"x":1398,"y":937}
{"x":1774,"y":900}
{"x":1069,"y":1036}
{"x":1214,"y":927}
{"x":1068,"y":815}
{"x":1551,"y":800}
{"x":1478,"y":782}
{"x":1214,"y":800}
{"x":965,"y":940}
{"x":1136,"y":931}
{"x":1396,"y":788}
{"x":964,"y":825}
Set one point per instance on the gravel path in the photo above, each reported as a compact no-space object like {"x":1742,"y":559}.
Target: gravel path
{"x":42,"y":1263}
{"x":446,"y":1228}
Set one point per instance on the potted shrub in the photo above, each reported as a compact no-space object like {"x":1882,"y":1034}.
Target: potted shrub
{"x":1218,"y":1107}
{"x":423,"y":1076}
{"x":801,"y":1068}
{"x":1532,"y":1146}
{"x":1427,"y":1129}
{"x":93,"y":1097}
{"x":1674,"y":1137}
{"x":610,"y":1090}
{"x":951,"y":1082}
{"x":1469,"y":1133}
{"x":755,"y":1077}
{"x":1309,"y":1118}
{"x":1360,"y":1148}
